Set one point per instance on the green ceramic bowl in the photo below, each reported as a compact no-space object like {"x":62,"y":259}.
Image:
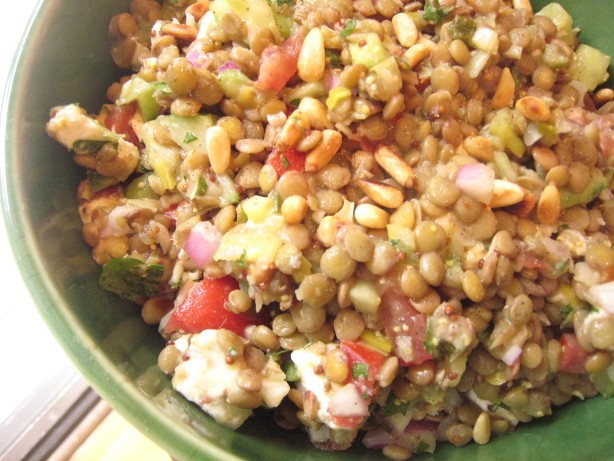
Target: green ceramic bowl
{"x":63,"y":58}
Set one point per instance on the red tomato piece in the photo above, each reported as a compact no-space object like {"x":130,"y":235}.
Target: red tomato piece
{"x":290,"y":160}
{"x":347,"y":422}
{"x":278,"y":64}
{"x":573,"y":355}
{"x":363,"y":359}
{"x":405,"y":326}
{"x":204,"y":309}
{"x":118,"y":121}
{"x":530,"y":261}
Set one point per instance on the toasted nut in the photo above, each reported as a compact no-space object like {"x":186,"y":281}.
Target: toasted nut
{"x":371,"y":216}
{"x":198,"y":9}
{"x":323,"y":153}
{"x":522,"y":4}
{"x":544,"y":157}
{"x":506,"y":193}
{"x":417,"y":53}
{"x":309,"y":141}
{"x":604,"y":95}
{"x":312,"y":57}
{"x":549,"y":205}
{"x":180,"y":31}
{"x":218,"y":148}
{"x":291,"y":133}
{"x":533,"y":108}
{"x":482,"y":429}
{"x":405,"y":29}
{"x":504,"y":94}
{"x":383,"y":194}
{"x":395,"y":166}
{"x":314,"y":114}
{"x":479,"y":147}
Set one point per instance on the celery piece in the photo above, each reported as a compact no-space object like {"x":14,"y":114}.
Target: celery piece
{"x":255,"y":13}
{"x":237,"y":86}
{"x":561,"y":19}
{"x":305,"y":90}
{"x":504,"y":166}
{"x":284,"y":24}
{"x":141,"y":91}
{"x":501,"y":126}
{"x":553,"y":56}
{"x":590,"y":66}
{"x":368,"y":49}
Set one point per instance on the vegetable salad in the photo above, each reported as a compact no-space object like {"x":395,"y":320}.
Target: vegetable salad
{"x":389,"y":222}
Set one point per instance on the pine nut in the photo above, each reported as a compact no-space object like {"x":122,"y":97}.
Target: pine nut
{"x":293,"y":209}
{"x":418,"y":53}
{"x":312,"y":57}
{"x":405,"y":29}
{"x":292,"y":132}
{"x":251,"y":146}
{"x":218,"y":148}
{"x":506,"y":193}
{"x":533,"y":108}
{"x":544,"y":157}
{"x":371,"y":216}
{"x":549,"y":205}
{"x":180,"y":31}
{"x":482,"y":429}
{"x":479,"y":148}
{"x":522,"y":4}
{"x":395,"y":166}
{"x":504,"y":94}
{"x":387,"y":371}
{"x":198,"y":9}
{"x":323,"y":153}
{"x":383,"y":194}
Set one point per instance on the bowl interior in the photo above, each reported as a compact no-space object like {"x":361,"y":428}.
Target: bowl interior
{"x":65,"y":58}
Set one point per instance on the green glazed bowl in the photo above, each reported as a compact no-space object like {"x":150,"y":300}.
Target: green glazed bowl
{"x":63,"y":58}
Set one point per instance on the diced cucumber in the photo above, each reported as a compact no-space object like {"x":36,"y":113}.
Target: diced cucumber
{"x":590,"y":66}
{"x":367,"y":48}
{"x":590,"y":192}
{"x":188,"y":132}
{"x":140,"y":188}
{"x":561,"y":19}
{"x":255,"y":13}
{"x":237,"y":86}
{"x":141,"y":91}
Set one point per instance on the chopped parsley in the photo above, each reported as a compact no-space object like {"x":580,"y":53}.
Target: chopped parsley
{"x":284,"y":162}
{"x":295,"y":102}
{"x":349,"y":28}
{"x":360,"y":369}
{"x":189,"y":137}
{"x":283,"y":2}
{"x":276,"y":203}
{"x":242,"y":261}
{"x":434,"y":346}
{"x":202,"y":186}
{"x":394,"y":406}
{"x":434,"y":13}
{"x":99,"y":182}
{"x":90,"y":146}
{"x":498,"y":405}
{"x":291,"y":372}
{"x":422,"y":447}
{"x":462,"y":28}
{"x":131,"y":278}
{"x":333,"y":58}
{"x":562,"y":267}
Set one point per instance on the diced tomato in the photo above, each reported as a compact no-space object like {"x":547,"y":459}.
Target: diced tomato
{"x":118,"y":120}
{"x":573,"y":355}
{"x":289,"y":160}
{"x":204,"y":309}
{"x":363,"y":358}
{"x":530,"y":261}
{"x":347,"y":422}
{"x":405,"y":326}
{"x":278,"y":64}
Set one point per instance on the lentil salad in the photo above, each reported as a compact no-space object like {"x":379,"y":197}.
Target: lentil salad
{"x":389,"y":218}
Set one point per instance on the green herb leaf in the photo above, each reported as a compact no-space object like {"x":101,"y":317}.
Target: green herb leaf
{"x":189,"y":137}
{"x":242,"y":261}
{"x":99,"y":182}
{"x":394,"y":406}
{"x":295,"y":102}
{"x":131,"y":278}
{"x":292,"y":372}
{"x":498,"y":405}
{"x":422,"y":447}
{"x":202,"y":187}
{"x":333,"y":58}
{"x":276,"y":203}
{"x":462,"y":28}
{"x":283,"y":2}
{"x":360,"y":369}
{"x":434,"y":13}
{"x":349,"y":28}
{"x":284,"y":162}
{"x":436,"y":347}
{"x":89,"y":146}
{"x":562,"y":267}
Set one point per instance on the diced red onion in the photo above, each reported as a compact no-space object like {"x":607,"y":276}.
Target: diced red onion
{"x":333,"y":80}
{"x":511,"y":354}
{"x":422,"y":426}
{"x":378,"y":438}
{"x":477,"y":181}
{"x":532,"y":134}
{"x":347,"y":401}
{"x":117,"y":221}
{"x":603,"y":296}
{"x":198,"y":58}
{"x":579,"y":87}
{"x":202,"y":243}
{"x":228,"y":65}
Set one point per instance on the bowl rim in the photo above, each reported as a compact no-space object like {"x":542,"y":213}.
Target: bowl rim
{"x":104,"y":377}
